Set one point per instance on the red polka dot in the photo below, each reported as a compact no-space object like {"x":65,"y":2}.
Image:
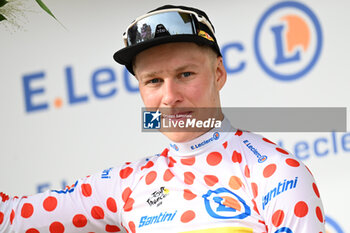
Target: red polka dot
{"x":236,"y":157}
{"x":149,"y":164}
{"x":255,"y":189}
{"x":214,"y":158}
{"x":1,"y":217}
{"x":126,"y":193}
{"x":277,"y":218}
{"x":56,"y":227}
{"x":172,"y":161}
{"x":282,"y":151}
{"x":125,"y":173}
{"x":4,"y":197}
{"x":269,"y":170}
{"x":238,"y":132}
{"x":86,"y":190}
{"x":224,"y":144}
{"x":188,"y":216}
{"x":267,"y":140}
{"x":247,"y":171}
{"x":50,"y":203}
{"x":301,"y":209}
{"x":168,"y":175}
{"x":111,"y":205}
{"x":314,"y":186}
{"x":129,"y":204}
{"x":27,"y":210}
{"x":255,"y":208}
{"x":235,"y":182}
{"x":189,"y":177}
{"x":165,"y":152}
{"x":12,"y":216}
{"x":309,"y":170}
{"x":292,"y":162}
{"x":319,"y":214}
{"x":79,"y":220}
{"x":188,"y":195}
{"x":112,"y":228}
{"x":132,"y":226}
{"x":150,"y":177}
{"x":210,"y":180}
{"x":32,"y":230}
{"x":188,"y":161}
{"x":97,"y":212}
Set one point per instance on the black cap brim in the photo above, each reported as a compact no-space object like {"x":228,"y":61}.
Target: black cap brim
{"x":126,"y":55}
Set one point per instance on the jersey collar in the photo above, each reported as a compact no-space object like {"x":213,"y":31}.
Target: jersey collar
{"x":201,"y":143}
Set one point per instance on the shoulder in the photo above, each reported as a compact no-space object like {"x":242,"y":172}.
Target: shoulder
{"x":258,"y":149}
{"x":267,"y":161}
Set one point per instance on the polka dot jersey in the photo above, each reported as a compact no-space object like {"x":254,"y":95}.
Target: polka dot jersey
{"x":220,"y":182}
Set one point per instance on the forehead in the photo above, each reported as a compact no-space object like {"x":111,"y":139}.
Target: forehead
{"x":171,"y":56}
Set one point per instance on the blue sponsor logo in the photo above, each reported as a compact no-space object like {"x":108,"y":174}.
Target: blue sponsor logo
{"x":162,"y":217}
{"x":67,"y":190}
{"x":284,"y":229}
{"x":105,"y":173}
{"x":288,"y":40}
{"x":175,"y":147}
{"x":280,"y":188}
{"x":103,"y":84}
{"x":151,"y":119}
{"x":261,"y":158}
{"x":215,"y":136}
{"x":217,"y":203}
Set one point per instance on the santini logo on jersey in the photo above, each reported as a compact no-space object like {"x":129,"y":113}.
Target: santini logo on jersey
{"x":261,"y":158}
{"x":215,"y":136}
{"x":281,"y":187}
{"x":162,"y":217}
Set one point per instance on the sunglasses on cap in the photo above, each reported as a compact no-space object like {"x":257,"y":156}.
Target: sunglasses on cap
{"x":167,"y":22}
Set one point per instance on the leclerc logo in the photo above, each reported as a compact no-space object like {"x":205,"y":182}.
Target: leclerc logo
{"x":332,"y":226}
{"x":288,"y":40}
{"x":102,"y":84}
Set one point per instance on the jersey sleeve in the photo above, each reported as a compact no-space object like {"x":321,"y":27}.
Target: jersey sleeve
{"x":286,"y":193}
{"x":92,"y":204}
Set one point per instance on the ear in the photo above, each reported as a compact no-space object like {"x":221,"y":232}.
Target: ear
{"x":220,"y":73}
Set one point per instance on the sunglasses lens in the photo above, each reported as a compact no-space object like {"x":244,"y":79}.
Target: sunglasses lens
{"x":159,"y":25}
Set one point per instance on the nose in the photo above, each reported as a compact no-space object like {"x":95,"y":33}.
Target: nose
{"x":172,"y":94}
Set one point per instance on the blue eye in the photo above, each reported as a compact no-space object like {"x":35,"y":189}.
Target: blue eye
{"x":186,"y":74}
{"x":153,"y":81}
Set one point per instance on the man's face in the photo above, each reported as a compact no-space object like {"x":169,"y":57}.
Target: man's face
{"x":180,"y":75}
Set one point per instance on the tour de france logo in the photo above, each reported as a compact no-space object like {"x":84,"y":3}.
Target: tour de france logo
{"x":288,"y":40}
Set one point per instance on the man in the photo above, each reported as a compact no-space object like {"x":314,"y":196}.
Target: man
{"x":222,"y":180}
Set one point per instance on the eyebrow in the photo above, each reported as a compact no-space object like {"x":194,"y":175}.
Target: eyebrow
{"x":185,"y":67}
{"x":154,"y":74}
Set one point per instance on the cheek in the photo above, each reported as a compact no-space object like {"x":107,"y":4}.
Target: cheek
{"x":201,"y":92}
{"x":149,"y":97}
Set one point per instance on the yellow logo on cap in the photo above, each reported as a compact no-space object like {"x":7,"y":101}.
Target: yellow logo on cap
{"x":205,"y":35}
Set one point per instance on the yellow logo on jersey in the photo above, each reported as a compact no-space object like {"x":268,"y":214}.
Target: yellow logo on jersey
{"x":223,"y":230}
